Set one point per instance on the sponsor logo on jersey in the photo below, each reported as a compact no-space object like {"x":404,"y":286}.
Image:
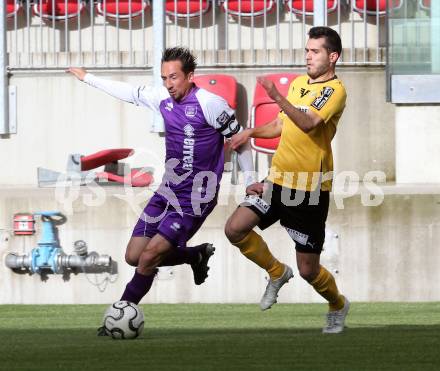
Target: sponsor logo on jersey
{"x":299,"y":237}
{"x":188,"y":130}
{"x":326,"y":93}
{"x":169,"y":106}
{"x":304,"y":92}
{"x":190,"y":111}
{"x":175,"y":226}
{"x":188,"y":147}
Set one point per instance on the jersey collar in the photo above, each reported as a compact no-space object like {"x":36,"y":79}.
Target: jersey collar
{"x":322,"y":82}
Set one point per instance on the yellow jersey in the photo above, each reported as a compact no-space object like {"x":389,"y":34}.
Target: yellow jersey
{"x":305,"y":160}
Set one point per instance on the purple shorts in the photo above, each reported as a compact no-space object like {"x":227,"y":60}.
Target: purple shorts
{"x":177,"y":228}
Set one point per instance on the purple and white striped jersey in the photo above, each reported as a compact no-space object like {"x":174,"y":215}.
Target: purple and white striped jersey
{"x":195,"y":128}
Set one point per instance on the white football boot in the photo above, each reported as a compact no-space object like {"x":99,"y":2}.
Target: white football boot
{"x":336,"y":319}
{"x":273,"y":286}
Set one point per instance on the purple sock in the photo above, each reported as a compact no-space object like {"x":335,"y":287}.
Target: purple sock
{"x":138,"y":287}
{"x":190,"y":255}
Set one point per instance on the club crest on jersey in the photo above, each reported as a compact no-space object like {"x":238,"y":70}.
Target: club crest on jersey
{"x":188,"y":130}
{"x":326,"y":93}
{"x":190,"y":111}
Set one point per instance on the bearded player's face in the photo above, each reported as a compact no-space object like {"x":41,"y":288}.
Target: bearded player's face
{"x":319,"y":59}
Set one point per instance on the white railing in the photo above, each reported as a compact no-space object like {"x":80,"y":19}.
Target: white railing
{"x":42,"y":34}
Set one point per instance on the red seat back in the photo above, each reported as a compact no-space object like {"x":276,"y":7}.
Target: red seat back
{"x":373,"y":7}
{"x":136,"y":178}
{"x":12,"y":7}
{"x":264,"y":110}
{"x":184,"y":8}
{"x":58,"y":9}
{"x":306,"y":6}
{"x":248,"y":8}
{"x":222,"y":85}
{"x":122,"y":9}
{"x":425,"y":4}
{"x":104,"y":157}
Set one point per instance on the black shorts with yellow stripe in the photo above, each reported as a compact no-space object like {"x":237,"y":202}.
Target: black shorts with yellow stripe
{"x":303,"y":214}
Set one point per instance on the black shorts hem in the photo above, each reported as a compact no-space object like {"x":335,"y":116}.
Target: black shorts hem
{"x":263,"y":223}
{"x":307,"y":250}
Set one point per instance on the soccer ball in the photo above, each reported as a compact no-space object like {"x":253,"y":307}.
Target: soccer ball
{"x":123,"y":320}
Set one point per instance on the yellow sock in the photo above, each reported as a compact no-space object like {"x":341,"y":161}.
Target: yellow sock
{"x":325,"y":285}
{"x":255,"y":249}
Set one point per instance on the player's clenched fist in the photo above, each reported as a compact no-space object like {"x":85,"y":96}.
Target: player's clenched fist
{"x":239,"y":139}
{"x":255,"y":189}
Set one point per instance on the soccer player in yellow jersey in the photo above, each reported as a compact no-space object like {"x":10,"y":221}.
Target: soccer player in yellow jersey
{"x":296,"y":192}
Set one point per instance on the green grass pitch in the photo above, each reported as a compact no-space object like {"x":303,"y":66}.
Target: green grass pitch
{"x":207,"y":337}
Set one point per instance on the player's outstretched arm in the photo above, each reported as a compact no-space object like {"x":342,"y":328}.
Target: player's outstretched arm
{"x":117,"y":89}
{"x":240,"y":143}
{"x":268,"y":131}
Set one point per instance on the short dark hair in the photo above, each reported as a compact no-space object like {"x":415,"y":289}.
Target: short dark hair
{"x":332,"y":40}
{"x":183,"y":55}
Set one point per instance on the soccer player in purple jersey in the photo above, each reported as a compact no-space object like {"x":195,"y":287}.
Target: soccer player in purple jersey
{"x":196,"y":123}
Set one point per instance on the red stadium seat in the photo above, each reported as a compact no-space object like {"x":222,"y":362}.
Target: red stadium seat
{"x":104,"y":157}
{"x":306,"y":6}
{"x":223,"y":85}
{"x":374,"y":7}
{"x":136,"y":178}
{"x":58,"y":9}
{"x":264,"y":110}
{"x":122,"y":9}
{"x":12,"y":8}
{"x":83,"y":169}
{"x":425,"y":4}
{"x":248,"y":8}
{"x":186,"y":8}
